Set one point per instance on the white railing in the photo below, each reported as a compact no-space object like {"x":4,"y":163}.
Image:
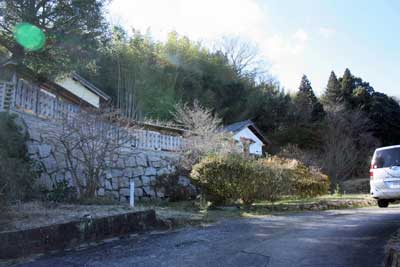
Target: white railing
{"x":31,"y":99}
{"x":2,"y":93}
{"x":154,"y":140}
{"x":6,"y":95}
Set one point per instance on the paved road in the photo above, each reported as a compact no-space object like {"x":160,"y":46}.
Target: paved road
{"x":331,"y":238}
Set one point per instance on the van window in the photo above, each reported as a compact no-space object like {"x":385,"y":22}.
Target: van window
{"x":387,"y":158}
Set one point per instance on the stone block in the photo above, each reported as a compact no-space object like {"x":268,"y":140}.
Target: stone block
{"x":32,"y":148}
{"x":138,"y":182}
{"x":153,"y":158}
{"x":45,"y":180}
{"x":44,"y":150}
{"x":124,"y":182}
{"x":117,"y":173}
{"x":50,"y":165}
{"x":141,"y":160}
{"x":124,"y":192}
{"x":115,"y":183}
{"x":59,"y":176}
{"x":155,"y":164}
{"x":138,"y":171}
{"x":127,"y":172}
{"x":115,"y":195}
{"x":109,"y":174}
{"x":120,"y":162}
{"x":68,"y":177}
{"x":100,"y":192}
{"x":163,"y":171}
{"x":108,"y":184}
{"x":130,"y":162}
{"x":138,"y":192}
{"x":152,"y":180}
{"x":35,"y":135}
{"x":160,"y":194}
{"x":145,"y":180}
{"x":149,"y":191}
{"x":150,"y":171}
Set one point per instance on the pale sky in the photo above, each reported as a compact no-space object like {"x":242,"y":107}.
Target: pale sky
{"x":295,"y":37}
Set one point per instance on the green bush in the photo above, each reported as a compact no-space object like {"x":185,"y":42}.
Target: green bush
{"x":231,"y":177}
{"x":224,"y":179}
{"x":219,"y":177}
{"x":16,"y":176}
{"x":304,"y":181}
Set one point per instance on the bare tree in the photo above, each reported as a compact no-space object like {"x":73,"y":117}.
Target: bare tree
{"x":243,"y":55}
{"x":203,"y":133}
{"x":348,"y":142}
{"x":87,"y":144}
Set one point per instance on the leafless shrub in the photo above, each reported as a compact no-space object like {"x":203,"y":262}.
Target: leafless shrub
{"x":88,"y":143}
{"x":203,"y":133}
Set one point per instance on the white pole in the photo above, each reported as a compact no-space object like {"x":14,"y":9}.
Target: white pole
{"x":132,"y":195}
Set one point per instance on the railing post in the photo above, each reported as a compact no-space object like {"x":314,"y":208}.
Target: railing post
{"x":2,"y":93}
{"x":37,"y":99}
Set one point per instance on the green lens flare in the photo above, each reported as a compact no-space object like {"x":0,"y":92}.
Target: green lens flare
{"x":29,"y":36}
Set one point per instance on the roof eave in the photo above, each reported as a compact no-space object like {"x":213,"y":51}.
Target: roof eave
{"x":90,"y":86}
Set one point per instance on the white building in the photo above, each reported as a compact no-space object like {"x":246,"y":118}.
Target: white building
{"x":247,"y":131}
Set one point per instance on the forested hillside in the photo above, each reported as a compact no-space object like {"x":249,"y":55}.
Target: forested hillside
{"x":147,"y":78}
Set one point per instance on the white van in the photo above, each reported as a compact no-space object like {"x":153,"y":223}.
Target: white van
{"x":385,"y":175}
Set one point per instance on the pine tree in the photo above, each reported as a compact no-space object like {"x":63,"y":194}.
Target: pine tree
{"x":307,"y":103}
{"x":333,"y":92}
{"x":347,"y":85}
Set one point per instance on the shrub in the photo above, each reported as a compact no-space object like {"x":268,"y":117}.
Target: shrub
{"x":232,"y":177}
{"x":174,"y":188}
{"x":304,"y":181}
{"x":220,"y":177}
{"x":16,"y":176}
{"x":228,"y":178}
{"x":61,"y":192}
{"x":356,"y":186}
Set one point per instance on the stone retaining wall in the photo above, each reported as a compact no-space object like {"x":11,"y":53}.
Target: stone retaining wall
{"x":141,"y":166}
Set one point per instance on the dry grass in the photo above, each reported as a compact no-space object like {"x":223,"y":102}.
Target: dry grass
{"x":332,"y":198}
{"x":37,"y":214}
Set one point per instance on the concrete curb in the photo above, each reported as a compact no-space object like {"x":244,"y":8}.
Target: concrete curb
{"x":23,"y":243}
{"x":317,"y":206}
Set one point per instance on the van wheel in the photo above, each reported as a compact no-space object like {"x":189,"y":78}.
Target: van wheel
{"x":383,"y":203}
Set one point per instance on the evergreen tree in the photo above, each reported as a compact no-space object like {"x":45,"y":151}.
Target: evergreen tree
{"x":307,"y":103}
{"x":384,"y":111}
{"x":347,"y":86}
{"x":73,"y":30}
{"x":333,"y":92}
